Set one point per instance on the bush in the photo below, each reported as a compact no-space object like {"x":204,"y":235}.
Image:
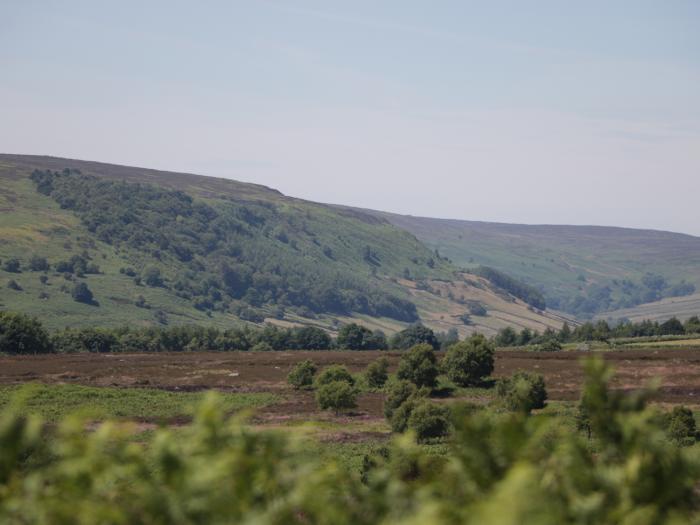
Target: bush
{"x":353,"y":336}
{"x":468,"y":362}
{"x":21,"y":334}
{"x":152,"y":277}
{"x":377,"y":373}
{"x":38,"y":264}
{"x":302,"y":375}
{"x":398,"y":392}
{"x":335,"y":373}
{"x":414,"y":335}
{"x":419,"y":366}
{"x":680,"y":426}
{"x":549,"y":345}
{"x":429,"y":420}
{"x":262,"y":346}
{"x":14,"y":285}
{"x":522,"y":392}
{"x":11,"y":265}
{"x":81,"y":293}
{"x":336,"y":396}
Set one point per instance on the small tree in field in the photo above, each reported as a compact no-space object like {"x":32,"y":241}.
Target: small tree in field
{"x":469,"y":361}
{"x":429,"y":420}
{"x":335,"y":373}
{"x":419,"y":366}
{"x":336,"y":396}
{"x":522,"y":392}
{"x":302,"y":375}
{"x":377,"y":373}
{"x":398,"y":392}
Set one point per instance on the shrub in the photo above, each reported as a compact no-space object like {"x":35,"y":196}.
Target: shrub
{"x":549,"y":345}
{"x":263,"y":346}
{"x":11,"y":265}
{"x":336,"y":396}
{"x":353,"y":336}
{"x":377,"y":373}
{"x":302,"y":375}
{"x":680,"y":426}
{"x":43,"y":279}
{"x":429,"y":420}
{"x":398,"y":392}
{"x":335,"y":373}
{"x":81,"y":293}
{"x":21,"y":334}
{"x":414,"y":335}
{"x":14,"y":285}
{"x":522,"y":392}
{"x":38,"y":264}
{"x":419,"y":366}
{"x":152,"y":277}
{"x":469,"y":361}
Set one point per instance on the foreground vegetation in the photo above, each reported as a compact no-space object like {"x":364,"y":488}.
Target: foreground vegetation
{"x":496,"y":467}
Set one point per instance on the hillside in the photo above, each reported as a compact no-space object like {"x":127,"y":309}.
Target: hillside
{"x":582,"y":270}
{"x":161,"y":247}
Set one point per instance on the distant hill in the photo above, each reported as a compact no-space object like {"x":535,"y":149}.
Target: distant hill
{"x":156,"y":247}
{"x":582,"y":270}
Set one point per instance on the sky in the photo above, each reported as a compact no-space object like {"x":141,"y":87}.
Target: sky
{"x":530,"y":112}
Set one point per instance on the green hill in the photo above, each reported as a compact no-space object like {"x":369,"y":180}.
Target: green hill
{"x":162,"y":247}
{"x":582,"y":270}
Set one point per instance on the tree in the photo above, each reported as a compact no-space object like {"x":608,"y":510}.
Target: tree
{"x":680,"y":426}
{"x":522,"y":392}
{"x":429,"y":420}
{"x":302,"y":375}
{"x":336,"y":396}
{"x":419,"y":366}
{"x":152,"y":276}
{"x":353,"y":336}
{"x":468,"y":362}
{"x":377,"y":373}
{"x":549,"y":345}
{"x":398,"y":393}
{"x":81,"y":293}
{"x":506,"y":337}
{"x":414,"y":335}
{"x":38,"y":264}
{"x":692,"y":325}
{"x":11,"y":265}
{"x":21,"y":334}
{"x":671,"y":327}
{"x":262,"y":346}
{"x":335,"y":373}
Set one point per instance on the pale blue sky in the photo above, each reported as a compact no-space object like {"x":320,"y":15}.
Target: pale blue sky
{"x":550,"y":112}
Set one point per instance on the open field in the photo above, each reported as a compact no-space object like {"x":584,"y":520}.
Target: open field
{"x":677,"y":368}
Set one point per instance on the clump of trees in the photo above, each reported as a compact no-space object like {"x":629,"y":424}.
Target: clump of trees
{"x":21,"y":334}
{"x":353,"y":336}
{"x":419,"y":366}
{"x":377,"y":373}
{"x":525,"y":292}
{"x":412,"y":336}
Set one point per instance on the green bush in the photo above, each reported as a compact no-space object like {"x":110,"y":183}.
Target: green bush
{"x":336,"y":396}
{"x":468,"y":362}
{"x":522,"y":392}
{"x":335,"y":373}
{"x":429,"y":420}
{"x":549,"y":345}
{"x":680,"y":426}
{"x":377,"y":373}
{"x":414,"y":335}
{"x":21,"y":334}
{"x":81,"y":293}
{"x":419,"y":366}
{"x":262,"y":346}
{"x":302,"y":375}
{"x":397,"y":393}
{"x":11,"y":265}
{"x":353,"y":336}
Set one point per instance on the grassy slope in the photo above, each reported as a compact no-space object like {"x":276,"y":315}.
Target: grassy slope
{"x":554,"y":257}
{"x":34,"y":224}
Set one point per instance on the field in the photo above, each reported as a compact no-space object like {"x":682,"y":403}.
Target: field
{"x":159,"y":388}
